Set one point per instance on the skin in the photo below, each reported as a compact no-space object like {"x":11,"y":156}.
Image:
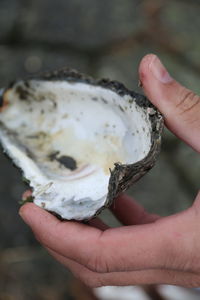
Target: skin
{"x":148,"y":249}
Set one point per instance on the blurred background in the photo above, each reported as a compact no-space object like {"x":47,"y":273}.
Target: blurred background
{"x":104,"y":39}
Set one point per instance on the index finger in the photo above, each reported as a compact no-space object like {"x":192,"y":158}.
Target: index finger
{"x":129,"y":212}
{"x":118,"y":249}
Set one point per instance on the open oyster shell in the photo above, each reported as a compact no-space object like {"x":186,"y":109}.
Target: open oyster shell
{"x":79,"y":142}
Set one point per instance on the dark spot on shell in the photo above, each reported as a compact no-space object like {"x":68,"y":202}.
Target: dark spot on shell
{"x":34,"y":136}
{"x":29,"y":153}
{"x":95,"y":98}
{"x":40,"y":98}
{"x":104,"y":100}
{"x":23,"y":93}
{"x":121,"y":108}
{"x":67,"y":161}
{"x":54,"y":104}
{"x":27,"y":84}
{"x":38,"y":135}
{"x":53,"y":155}
{"x":42,"y":111}
{"x":130,"y":101}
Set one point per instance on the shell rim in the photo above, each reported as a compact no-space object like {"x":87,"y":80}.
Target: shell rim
{"x":133,"y":172}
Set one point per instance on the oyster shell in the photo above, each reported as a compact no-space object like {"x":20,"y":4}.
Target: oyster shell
{"x":78,"y":141}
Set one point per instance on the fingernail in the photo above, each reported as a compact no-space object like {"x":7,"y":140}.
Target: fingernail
{"x":159,"y":71}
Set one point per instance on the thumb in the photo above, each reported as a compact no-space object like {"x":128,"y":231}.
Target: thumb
{"x":179,"y":106}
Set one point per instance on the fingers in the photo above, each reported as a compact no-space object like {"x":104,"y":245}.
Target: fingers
{"x":78,"y":240}
{"x":88,"y":277}
{"x":26,"y":194}
{"x":94,"y":279}
{"x":126,"y":248}
{"x":179,"y":106}
{"x":97,"y":223}
{"x":129,"y":212}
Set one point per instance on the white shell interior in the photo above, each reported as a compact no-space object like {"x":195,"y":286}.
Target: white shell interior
{"x":45,"y":122}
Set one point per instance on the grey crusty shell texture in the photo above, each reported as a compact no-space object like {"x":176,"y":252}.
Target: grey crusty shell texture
{"x":122,"y":176}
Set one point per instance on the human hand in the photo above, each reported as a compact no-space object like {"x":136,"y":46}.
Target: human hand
{"x":149,"y":249}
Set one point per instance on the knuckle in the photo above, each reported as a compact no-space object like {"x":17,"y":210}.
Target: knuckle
{"x":189,"y":101}
{"x":91,"y":279}
{"x":173,"y":252}
{"x":97,"y":263}
{"x":182,"y":247}
{"x":93,"y":282}
{"x":93,"y":263}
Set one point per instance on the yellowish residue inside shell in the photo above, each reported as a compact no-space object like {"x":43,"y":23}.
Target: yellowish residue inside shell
{"x":102,"y":151}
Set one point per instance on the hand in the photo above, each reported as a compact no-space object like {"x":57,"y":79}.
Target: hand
{"x":149,"y":249}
